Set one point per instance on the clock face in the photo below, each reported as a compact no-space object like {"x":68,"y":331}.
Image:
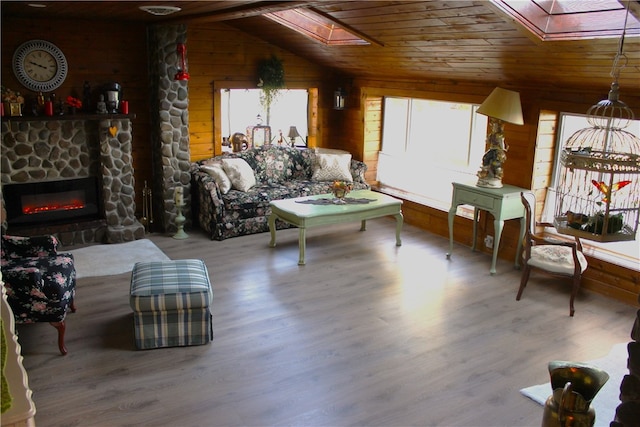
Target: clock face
{"x":40,"y":66}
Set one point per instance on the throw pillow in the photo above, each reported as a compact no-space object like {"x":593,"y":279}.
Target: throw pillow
{"x":332,"y":167}
{"x":240,"y":173}
{"x":219,"y":176}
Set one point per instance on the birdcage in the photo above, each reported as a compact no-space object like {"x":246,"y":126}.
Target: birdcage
{"x":598,"y":191}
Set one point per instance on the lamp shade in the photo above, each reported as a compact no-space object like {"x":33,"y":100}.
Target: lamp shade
{"x":293,"y":132}
{"x":504,"y":105}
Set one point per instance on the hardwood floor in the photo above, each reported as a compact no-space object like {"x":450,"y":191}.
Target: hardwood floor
{"x":366,"y":333}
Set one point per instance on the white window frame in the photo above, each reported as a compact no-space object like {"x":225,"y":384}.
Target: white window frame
{"x":418,"y":160}
{"x":625,"y":254}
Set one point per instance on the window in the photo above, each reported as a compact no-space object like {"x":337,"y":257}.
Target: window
{"x":427,"y":145}
{"x":320,"y":27}
{"x":625,"y":253}
{"x":241,"y":109}
{"x":571,"y":19}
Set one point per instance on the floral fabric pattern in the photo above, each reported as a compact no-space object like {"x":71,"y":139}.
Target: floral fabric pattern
{"x":281,"y":173}
{"x":40,"y":282}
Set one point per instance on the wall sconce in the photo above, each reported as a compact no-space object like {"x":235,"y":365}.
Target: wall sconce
{"x":182,"y":73}
{"x":339,"y":97}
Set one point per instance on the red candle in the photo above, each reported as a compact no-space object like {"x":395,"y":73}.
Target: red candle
{"x":48,"y":108}
{"x":124,"y":107}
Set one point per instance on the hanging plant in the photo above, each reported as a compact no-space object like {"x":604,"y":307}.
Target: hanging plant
{"x":270,"y":80}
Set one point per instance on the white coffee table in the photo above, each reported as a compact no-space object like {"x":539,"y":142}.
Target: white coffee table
{"x":304,"y":215}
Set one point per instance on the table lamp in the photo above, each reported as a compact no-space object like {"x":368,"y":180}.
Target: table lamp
{"x":293,"y":134}
{"x":500,"y":106}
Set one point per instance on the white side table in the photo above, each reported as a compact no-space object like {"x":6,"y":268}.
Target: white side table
{"x":503,"y":203}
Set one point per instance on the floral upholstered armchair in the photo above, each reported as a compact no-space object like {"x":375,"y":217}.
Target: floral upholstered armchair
{"x":40,"y":282}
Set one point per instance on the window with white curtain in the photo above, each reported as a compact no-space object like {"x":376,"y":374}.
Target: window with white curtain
{"x":240,"y":109}
{"x":626,"y":253}
{"x":427,"y":145}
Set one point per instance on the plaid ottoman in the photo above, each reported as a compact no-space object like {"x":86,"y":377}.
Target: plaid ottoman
{"x":171,"y":302}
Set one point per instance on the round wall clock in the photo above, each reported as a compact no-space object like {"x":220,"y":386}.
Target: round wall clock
{"x":40,"y":65}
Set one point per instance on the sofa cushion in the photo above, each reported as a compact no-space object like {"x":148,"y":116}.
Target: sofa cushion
{"x":255,"y":201}
{"x":240,"y":173}
{"x":219,"y":176}
{"x":276,"y":165}
{"x":332,"y":167}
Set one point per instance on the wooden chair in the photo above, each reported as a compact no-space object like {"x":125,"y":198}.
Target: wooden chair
{"x":555,"y":257}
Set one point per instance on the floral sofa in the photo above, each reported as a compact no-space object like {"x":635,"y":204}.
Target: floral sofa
{"x":226,"y":205}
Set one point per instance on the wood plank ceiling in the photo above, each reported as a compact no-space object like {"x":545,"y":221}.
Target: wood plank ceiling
{"x":427,"y":40}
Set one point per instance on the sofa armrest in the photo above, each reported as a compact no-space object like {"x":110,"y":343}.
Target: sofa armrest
{"x":40,"y":289}
{"x":358,"y":169}
{"x":28,"y":247}
{"x":209,"y":200}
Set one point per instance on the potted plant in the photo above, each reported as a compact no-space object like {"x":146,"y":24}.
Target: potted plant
{"x":270,"y":80}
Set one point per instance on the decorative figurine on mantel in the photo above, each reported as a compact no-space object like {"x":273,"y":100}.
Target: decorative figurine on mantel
{"x":101,"y":106}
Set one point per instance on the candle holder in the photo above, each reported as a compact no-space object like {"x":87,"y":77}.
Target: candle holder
{"x":180,"y":219}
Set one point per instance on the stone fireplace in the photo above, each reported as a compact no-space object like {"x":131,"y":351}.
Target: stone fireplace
{"x":50,"y":156}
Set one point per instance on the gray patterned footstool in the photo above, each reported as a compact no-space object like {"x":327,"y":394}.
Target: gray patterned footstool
{"x":171,"y":302}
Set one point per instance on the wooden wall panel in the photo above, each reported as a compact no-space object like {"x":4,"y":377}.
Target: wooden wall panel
{"x":372,"y":143}
{"x":612,"y":280}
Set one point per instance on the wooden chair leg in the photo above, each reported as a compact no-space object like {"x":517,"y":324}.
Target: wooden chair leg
{"x":60,"y":326}
{"x":523,"y":280}
{"x":574,"y":292}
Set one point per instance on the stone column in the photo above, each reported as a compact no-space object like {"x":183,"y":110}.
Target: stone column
{"x":118,"y":182}
{"x":171,"y":154}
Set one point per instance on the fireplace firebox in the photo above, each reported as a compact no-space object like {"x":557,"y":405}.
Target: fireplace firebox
{"x":52,"y":202}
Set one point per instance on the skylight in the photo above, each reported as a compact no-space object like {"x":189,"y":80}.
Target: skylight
{"x":572,"y":19}
{"x":318,"y":26}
